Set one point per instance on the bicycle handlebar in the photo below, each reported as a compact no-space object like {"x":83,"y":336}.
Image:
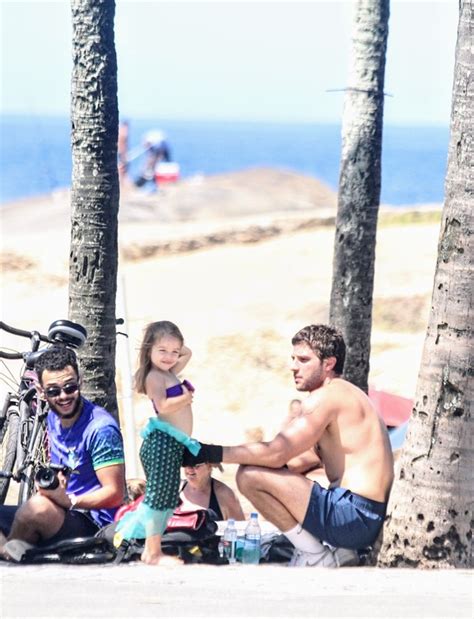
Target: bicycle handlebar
{"x":22,"y":332}
{"x":11,"y":355}
{"x":72,"y":334}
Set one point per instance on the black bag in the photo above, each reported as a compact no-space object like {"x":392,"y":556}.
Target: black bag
{"x":191,"y":536}
{"x":76,"y":551}
{"x":280,"y":550}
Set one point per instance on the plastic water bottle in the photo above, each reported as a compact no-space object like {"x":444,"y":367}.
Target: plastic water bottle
{"x":251,"y":551}
{"x":229,"y":541}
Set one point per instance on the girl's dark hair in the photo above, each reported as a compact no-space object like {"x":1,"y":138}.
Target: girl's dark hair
{"x":55,"y":359}
{"x":325,"y":342}
{"x":153,"y":332}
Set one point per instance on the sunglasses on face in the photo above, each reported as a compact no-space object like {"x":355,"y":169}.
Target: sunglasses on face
{"x":54,"y":392}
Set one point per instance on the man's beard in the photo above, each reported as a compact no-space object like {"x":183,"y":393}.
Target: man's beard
{"x":312,"y":383}
{"x":73,"y":413}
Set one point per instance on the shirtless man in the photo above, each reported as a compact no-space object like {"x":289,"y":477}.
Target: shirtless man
{"x":340,"y":425}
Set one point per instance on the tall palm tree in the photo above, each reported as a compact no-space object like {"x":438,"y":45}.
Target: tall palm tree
{"x":359,"y":188}
{"x":95,"y":193}
{"x":429,"y":520}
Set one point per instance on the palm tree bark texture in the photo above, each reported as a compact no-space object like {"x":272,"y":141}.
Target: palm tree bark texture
{"x":429,"y":521}
{"x":95,"y":194}
{"x":359,"y":189}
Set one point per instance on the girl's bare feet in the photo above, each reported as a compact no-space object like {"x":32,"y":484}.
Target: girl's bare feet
{"x":160,"y":559}
{"x":153,"y":555}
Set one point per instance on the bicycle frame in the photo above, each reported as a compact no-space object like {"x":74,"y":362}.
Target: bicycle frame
{"x":32,"y":412}
{"x":31,"y":446}
{"x":23,"y":415}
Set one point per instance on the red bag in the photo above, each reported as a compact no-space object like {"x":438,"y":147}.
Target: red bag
{"x":187,"y":520}
{"x":196,"y":524}
{"x":128,"y":507}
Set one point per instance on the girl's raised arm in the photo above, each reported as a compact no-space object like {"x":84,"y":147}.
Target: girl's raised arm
{"x":184,"y":357}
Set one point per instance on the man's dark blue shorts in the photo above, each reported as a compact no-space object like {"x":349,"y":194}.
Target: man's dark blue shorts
{"x":77,"y":523}
{"x":342,"y":518}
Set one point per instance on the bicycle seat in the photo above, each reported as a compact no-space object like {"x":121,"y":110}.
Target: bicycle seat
{"x":70,"y":333}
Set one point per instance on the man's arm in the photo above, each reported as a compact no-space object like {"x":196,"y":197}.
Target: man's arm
{"x":110,"y":494}
{"x":299,"y":436}
{"x":305,"y":462}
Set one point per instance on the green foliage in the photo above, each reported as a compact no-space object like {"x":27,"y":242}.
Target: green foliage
{"x":409,"y":217}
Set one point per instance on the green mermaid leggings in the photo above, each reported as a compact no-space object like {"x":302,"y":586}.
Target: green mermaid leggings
{"x":161,"y":457}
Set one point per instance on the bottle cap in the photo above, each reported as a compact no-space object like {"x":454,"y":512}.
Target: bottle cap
{"x":231,"y":521}
{"x":254,"y":515}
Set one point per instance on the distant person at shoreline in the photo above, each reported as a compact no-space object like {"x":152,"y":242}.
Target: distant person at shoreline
{"x":327,"y":526}
{"x":156,"y":150}
{"x":122,"y":149}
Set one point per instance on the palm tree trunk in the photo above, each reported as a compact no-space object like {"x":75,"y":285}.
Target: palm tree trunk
{"x":430,"y":510}
{"x":95,"y":194}
{"x":359,"y":189}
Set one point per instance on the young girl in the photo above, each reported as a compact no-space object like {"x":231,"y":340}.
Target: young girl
{"x":162,"y":356}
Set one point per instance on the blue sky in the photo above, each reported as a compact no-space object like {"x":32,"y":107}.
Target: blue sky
{"x":251,"y":60}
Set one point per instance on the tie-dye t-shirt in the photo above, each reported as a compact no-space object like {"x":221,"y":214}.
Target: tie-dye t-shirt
{"x":94,"y":441}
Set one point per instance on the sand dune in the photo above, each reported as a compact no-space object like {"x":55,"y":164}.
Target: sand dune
{"x":263,"y":272}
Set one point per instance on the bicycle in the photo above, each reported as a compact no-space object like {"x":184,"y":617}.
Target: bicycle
{"x":23,"y":437}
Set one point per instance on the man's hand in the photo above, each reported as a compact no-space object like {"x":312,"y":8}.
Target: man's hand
{"x":211,"y":454}
{"x":58,"y":495}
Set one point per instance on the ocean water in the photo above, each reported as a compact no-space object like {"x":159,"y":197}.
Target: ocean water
{"x":35,"y":153}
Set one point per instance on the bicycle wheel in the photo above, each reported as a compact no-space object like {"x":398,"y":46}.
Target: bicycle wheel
{"x":7,"y":402}
{"x":38,"y":455}
{"x":8,"y":446}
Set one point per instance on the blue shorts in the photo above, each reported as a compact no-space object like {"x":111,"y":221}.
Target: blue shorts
{"x":342,"y":518}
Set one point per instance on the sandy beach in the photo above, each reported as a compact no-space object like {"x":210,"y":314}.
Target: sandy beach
{"x":256,"y":276}
{"x":240,"y":262}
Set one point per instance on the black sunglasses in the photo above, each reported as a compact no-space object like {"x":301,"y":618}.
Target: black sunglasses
{"x":54,"y":392}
